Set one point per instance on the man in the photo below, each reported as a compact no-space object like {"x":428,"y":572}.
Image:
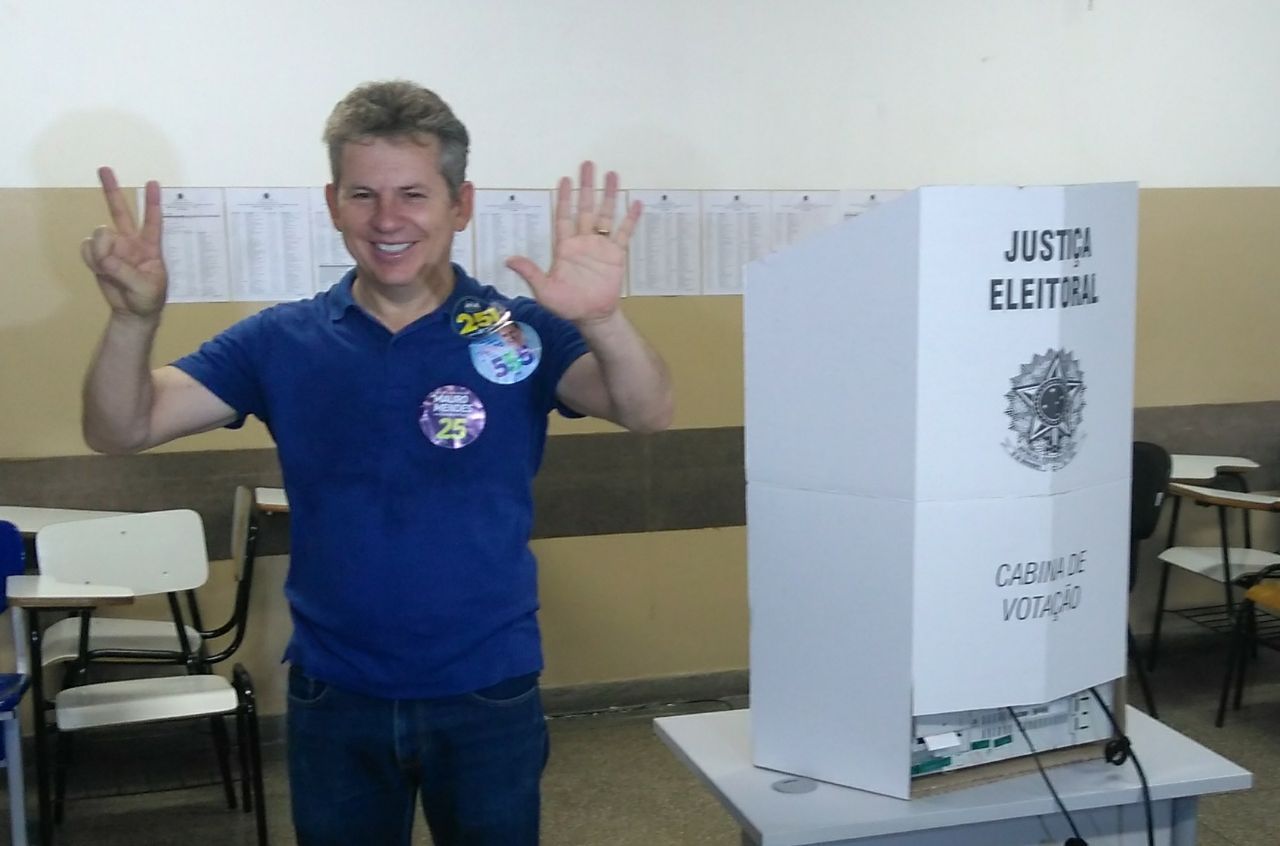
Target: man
{"x":408,"y":457}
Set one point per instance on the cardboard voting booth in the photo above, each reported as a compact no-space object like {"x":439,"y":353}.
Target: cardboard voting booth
{"x":939,"y":401}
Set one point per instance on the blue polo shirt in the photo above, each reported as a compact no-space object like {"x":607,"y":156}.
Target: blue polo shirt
{"x":410,"y":572}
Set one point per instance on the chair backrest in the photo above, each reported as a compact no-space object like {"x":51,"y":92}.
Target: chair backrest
{"x":152,"y":552}
{"x":241,"y":524}
{"x":244,"y":534}
{"x":1151,"y":469}
{"x":12,"y":557}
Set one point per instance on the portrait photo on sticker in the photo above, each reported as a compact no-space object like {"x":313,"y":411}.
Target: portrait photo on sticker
{"x":511,"y":354}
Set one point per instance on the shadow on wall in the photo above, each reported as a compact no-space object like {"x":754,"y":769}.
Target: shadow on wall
{"x":69,"y":152}
{"x":53,"y":312}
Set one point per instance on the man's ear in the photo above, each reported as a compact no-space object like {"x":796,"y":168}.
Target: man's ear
{"x":464,"y":207}
{"x":331,"y":197}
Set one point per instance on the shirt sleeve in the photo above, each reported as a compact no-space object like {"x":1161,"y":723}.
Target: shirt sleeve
{"x":229,"y":365}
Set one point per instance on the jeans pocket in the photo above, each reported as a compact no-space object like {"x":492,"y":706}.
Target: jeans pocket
{"x":511,"y":691}
{"x":303,"y":689}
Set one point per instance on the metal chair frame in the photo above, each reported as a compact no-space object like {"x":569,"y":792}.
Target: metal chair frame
{"x":1249,"y":631}
{"x":160,"y":553}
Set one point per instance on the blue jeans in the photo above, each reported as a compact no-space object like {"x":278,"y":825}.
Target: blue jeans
{"x":356,"y":764}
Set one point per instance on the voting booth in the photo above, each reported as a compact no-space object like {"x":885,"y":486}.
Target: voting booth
{"x":938,"y":409}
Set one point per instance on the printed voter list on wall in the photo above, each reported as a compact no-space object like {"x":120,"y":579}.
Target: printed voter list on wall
{"x":856,"y":201}
{"x":194,"y":243}
{"x":270,"y":232}
{"x":798,"y":214}
{"x":329,"y":254}
{"x":666,"y":248}
{"x":511,"y":223}
{"x":735,"y":230}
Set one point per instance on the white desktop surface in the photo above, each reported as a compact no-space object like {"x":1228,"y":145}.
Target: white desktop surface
{"x":30,"y":519}
{"x":36,"y":590}
{"x":1203,"y":468}
{"x":271,"y":499}
{"x":717,"y":748}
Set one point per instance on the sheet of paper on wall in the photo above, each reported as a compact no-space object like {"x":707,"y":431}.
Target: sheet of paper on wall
{"x":735,"y":230}
{"x":195,"y":244}
{"x":798,"y":214}
{"x":855,"y":201}
{"x":270,"y":231}
{"x":511,"y":223}
{"x":666,"y":247}
{"x":329,"y":255}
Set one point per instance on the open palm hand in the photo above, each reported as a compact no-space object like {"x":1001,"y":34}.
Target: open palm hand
{"x":589,"y":261}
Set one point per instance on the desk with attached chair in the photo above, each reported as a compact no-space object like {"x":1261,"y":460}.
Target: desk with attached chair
{"x":1195,"y":472}
{"x":28,"y":595}
{"x":160,"y":553}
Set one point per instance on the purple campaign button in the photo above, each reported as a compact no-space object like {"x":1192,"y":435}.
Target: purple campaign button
{"x":452,"y":416}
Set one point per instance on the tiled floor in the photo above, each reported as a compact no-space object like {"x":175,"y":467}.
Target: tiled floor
{"x":610,"y":781}
{"x":1187,"y":684}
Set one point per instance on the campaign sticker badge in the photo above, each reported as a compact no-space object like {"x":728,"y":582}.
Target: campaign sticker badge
{"x":509,"y":354}
{"x":473,"y":317}
{"x":452,"y":416}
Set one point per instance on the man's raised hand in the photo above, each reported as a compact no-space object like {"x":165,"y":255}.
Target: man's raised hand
{"x":127,"y":259}
{"x":590,"y":258}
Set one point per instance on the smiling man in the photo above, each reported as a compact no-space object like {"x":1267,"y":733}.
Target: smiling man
{"x":408,"y":441}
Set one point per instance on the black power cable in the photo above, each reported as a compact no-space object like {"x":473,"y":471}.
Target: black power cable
{"x":1119,"y":749}
{"x":1075,"y":839}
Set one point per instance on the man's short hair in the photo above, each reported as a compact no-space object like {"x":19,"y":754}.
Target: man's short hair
{"x":398,"y":109}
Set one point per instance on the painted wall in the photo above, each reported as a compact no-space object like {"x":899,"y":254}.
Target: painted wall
{"x":711,"y":94}
{"x":707,"y":94}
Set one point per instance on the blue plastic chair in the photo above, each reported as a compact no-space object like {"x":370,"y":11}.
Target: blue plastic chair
{"x":12,"y":687}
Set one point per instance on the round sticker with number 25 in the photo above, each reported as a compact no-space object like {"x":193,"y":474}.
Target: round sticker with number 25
{"x":474,"y":318}
{"x":452,"y":416}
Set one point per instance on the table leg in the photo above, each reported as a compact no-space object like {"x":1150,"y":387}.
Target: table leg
{"x":1182,"y":828}
{"x":45,"y":820}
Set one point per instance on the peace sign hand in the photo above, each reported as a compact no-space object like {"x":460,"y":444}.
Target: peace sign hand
{"x":127,"y":260}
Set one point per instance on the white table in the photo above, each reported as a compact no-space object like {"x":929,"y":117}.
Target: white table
{"x":35,"y":591}
{"x":1105,"y":800}
{"x":1203,"y":468}
{"x":28,"y":595}
{"x":30,"y":519}
{"x":271,"y":500}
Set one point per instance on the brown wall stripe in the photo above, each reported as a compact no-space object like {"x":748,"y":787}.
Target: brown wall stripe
{"x":1249,"y":429}
{"x":591,"y":484}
